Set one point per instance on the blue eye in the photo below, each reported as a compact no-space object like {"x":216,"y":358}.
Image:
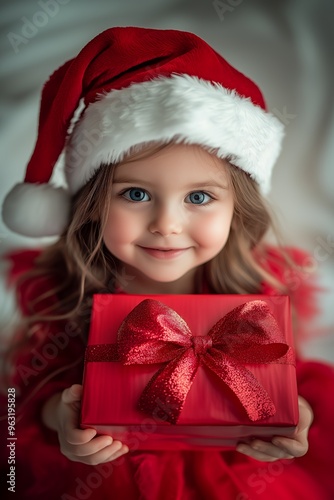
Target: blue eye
{"x":136,"y":194}
{"x":198,"y":198}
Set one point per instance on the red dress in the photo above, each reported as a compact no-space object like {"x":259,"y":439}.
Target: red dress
{"x":54,"y":362}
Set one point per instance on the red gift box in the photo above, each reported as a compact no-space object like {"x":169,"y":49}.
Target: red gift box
{"x":190,"y":371}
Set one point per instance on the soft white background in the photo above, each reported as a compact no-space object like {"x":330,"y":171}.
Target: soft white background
{"x":286,"y":46}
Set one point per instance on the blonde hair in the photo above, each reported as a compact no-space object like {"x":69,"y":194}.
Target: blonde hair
{"x":237,"y":268}
{"x":81,"y":264}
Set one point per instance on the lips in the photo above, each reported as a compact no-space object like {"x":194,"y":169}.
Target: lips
{"x":164,"y":253}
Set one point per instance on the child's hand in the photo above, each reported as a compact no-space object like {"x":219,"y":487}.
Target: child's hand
{"x":81,"y":445}
{"x":283,"y":447}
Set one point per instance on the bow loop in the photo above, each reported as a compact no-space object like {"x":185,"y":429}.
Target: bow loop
{"x":250,"y":334}
{"x":152,"y":333}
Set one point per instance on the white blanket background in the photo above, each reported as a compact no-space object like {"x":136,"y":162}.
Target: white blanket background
{"x":286,"y":46}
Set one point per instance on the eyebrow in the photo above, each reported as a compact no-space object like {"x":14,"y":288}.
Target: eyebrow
{"x":196,"y":185}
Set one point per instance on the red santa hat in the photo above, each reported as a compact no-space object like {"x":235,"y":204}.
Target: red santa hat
{"x":139,"y":85}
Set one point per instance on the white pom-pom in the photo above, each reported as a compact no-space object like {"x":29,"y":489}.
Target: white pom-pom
{"x":36,"y":210}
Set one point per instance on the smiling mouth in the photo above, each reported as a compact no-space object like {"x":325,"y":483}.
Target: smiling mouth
{"x":164,"y":253}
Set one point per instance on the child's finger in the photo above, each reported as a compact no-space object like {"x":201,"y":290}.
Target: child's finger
{"x":298,"y":444}
{"x":295,"y":447}
{"x":110,"y":453}
{"x":247,"y":450}
{"x":75,"y":436}
{"x":104,"y":455}
{"x":94,"y":446}
{"x":265,"y":454}
{"x":305,"y":419}
{"x":270,"y":449}
{"x":72,"y":394}
{"x":124,"y":449}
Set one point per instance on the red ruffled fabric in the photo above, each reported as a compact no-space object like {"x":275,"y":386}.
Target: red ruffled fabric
{"x":42,"y":472}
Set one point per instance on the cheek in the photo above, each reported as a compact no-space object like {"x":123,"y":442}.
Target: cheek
{"x":121,"y":228}
{"x":214,"y":230}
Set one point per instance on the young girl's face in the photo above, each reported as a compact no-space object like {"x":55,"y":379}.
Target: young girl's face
{"x":169,"y":213}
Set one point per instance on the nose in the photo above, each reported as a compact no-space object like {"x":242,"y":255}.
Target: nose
{"x":166,"y":220}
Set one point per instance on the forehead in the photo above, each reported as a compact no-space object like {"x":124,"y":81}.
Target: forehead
{"x":178,"y":161}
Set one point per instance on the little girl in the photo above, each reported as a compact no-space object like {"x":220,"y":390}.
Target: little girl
{"x":166,"y":165}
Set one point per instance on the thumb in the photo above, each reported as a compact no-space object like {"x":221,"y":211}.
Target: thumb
{"x":305,"y":416}
{"x":72,"y":394}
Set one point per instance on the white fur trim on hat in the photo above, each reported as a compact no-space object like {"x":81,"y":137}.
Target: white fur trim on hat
{"x":36,"y":209}
{"x":181,"y":108}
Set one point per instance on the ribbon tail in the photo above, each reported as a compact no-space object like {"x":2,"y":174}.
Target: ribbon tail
{"x":164,"y":396}
{"x":253,"y":397}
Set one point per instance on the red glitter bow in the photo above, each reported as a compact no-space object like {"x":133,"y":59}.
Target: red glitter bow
{"x":154,"y":333}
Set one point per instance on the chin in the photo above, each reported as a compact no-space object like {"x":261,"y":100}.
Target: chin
{"x":164,"y":275}
{"x":164,"y":279}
